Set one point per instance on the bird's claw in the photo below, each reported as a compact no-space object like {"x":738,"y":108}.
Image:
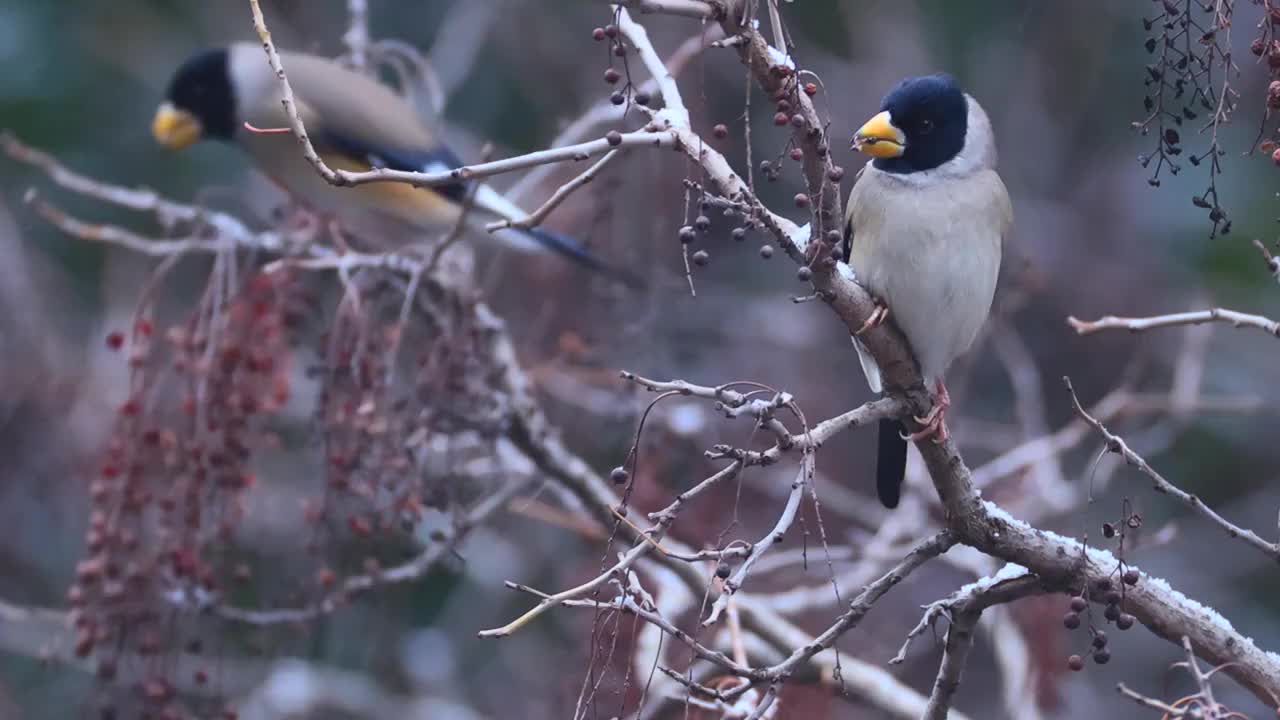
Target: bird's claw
{"x":934,"y":424}
{"x":875,"y":319}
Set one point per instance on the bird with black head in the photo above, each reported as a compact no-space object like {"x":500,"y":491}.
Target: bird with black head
{"x":924,"y":231}
{"x":230,"y":94}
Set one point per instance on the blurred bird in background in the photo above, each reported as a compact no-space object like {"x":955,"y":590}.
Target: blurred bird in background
{"x":355,"y":123}
{"x":924,"y":230}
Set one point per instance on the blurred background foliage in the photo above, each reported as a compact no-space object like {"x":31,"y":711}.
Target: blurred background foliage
{"x":1062,"y":82}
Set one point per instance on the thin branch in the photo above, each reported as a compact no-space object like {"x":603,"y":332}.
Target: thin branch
{"x":954,"y":656}
{"x":1237,"y":319}
{"x":605,"y":111}
{"x":1117,"y":445}
{"x":862,"y":604}
{"x":536,"y":217}
{"x":673,"y":103}
{"x":409,"y":571}
{"x":347,"y":178}
{"x":774,"y":536}
{"x":1168,"y":710}
{"x":1273,"y":263}
{"x":697,"y":9}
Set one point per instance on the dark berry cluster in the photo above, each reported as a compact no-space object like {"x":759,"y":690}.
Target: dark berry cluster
{"x":1188,"y":81}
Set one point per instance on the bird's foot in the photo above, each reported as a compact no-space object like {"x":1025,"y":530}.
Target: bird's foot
{"x":875,"y":319}
{"x":934,"y":424}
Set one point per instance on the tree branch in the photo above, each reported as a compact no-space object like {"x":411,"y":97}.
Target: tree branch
{"x":1117,"y":445}
{"x":1237,"y":319}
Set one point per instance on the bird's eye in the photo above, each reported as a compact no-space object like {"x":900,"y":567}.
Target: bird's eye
{"x":926,"y":126}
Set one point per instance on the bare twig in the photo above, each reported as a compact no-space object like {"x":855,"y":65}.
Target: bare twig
{"x":1237,"y":319}
{"x":954,"y":656}
{"x":697,"y":9}
{"x":347,"y":178}
{"x":774,"y":536}
{"x":564,"y":191}
{"x":1117,"y":445}
{"x":409,"y":571}
{"x":1168,"y":710}
{"x":862,"y":604}
{"x":1273,"y":263}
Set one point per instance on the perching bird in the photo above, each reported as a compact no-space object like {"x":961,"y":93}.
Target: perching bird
{"x":355,"y":123}
{"x":924,"y":229}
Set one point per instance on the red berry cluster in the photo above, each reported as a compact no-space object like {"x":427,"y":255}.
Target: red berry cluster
{"x":166,"y":497}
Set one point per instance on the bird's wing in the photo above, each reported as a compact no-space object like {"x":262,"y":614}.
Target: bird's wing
{"x":869,"y":366}
{"x":438,"y":159}
{"x":357,"y":123}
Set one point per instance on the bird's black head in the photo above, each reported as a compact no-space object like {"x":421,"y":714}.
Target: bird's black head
{"x":932,"y":113}
{"x":202,"y":87}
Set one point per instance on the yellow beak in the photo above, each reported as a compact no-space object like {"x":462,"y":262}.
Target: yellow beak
{"x":174,"y":128}
{"x":880,"y":138}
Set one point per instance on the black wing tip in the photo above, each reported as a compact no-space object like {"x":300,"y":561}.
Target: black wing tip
{"x":891,"y":462}
{"x":575,"y":251}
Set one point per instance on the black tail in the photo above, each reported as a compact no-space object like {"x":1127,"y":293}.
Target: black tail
{"x":891,"y":462}
{"x":575,"y":251}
